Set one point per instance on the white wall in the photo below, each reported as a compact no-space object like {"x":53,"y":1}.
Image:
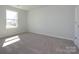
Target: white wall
{"x":22,"y":17}
{"x":57,"y":21}
{"x":76,"y":40}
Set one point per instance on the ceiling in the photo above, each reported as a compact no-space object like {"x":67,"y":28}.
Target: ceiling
{"x":27,"y":7}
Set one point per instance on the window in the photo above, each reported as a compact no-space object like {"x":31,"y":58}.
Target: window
{"x":11,"y":19}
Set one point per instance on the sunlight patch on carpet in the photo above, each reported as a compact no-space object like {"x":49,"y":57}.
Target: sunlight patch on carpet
{"x":11,"y":40}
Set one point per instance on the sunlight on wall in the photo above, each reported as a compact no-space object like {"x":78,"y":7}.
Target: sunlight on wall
{"x":10,"y":40}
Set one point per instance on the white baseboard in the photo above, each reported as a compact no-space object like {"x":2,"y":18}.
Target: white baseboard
{"x":55,"y":36}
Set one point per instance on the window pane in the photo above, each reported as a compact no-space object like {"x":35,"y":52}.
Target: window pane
{"x":11,"y":19}
{"x":11,"y":14}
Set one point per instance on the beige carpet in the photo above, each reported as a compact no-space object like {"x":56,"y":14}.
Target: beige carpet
{"x":31,"y":43}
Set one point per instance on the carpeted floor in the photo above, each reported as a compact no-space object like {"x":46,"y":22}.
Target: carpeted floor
{"x":31,"y":43}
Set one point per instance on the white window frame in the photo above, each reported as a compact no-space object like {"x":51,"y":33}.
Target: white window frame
{"x":8,"y":26}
